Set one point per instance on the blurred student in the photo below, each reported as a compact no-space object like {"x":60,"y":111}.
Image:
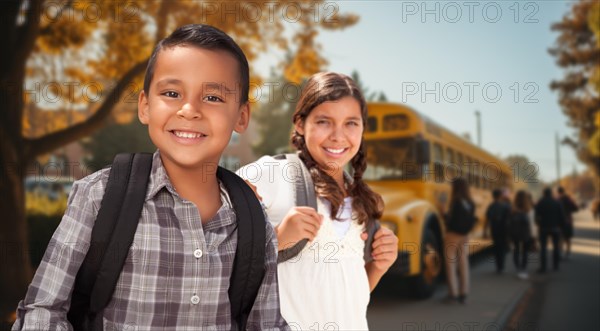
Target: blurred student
{"x":520,"y":232}
{"x":596,"y":209}
{"x":569,"y":207}
{"x":496,"y":218}
{"x":459,"y":222}
{"x":550,"y":218}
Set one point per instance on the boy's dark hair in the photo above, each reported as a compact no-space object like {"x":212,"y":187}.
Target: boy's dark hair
{"x":496,"y":193}
{"x":561,"y":190}
{"x":204,"y":37}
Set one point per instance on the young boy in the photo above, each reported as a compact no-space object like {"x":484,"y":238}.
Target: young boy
{"x":177,"y":273}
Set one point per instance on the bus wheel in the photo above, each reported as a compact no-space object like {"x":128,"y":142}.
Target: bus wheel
{"x":424,"y":284}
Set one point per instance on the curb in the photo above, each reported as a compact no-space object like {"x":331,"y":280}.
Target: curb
{"x":507,"y":311}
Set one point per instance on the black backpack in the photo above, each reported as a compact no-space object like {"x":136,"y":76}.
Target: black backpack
{"x":461,"y":219}
{"x":497,"y":215}
{"x":304,"y":195}
{"x":115,"y":227}
{"x":518,"y":226}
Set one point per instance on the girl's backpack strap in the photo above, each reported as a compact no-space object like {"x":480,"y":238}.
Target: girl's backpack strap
{"x":372,"y":228}
{"x":304,"y":195}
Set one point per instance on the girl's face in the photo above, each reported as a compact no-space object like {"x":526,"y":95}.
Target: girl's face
{"x":333,"y":133}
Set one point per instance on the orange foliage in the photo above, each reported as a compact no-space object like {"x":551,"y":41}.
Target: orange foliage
{"x":86,"y":47}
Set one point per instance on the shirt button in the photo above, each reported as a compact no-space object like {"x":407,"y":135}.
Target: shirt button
{"x":198,"y":253}
{"x":195,"y":300}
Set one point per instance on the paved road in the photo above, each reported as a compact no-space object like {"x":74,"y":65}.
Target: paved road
{"x":565,"y":300}
{"x":568,"y":299}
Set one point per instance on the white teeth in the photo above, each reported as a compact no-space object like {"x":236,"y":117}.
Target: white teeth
{"x":335,"y":151}
{"x":187,"y":135}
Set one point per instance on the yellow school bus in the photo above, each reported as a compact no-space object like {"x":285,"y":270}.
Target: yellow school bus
{"x":411,"y":162}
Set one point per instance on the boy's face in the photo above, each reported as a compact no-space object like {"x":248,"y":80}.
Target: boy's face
{"x":193,"y":106}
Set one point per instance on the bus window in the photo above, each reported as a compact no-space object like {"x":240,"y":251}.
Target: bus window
{"x":392,"y":159}
{"x":395,"y":122}
{"x":450,"y":156}
{"x":450,"y":164}
{"x":438,"y":162}
{"x":477,"y":172}
{"x":459,"y":164}
{"x":371,"y":124}
{"x":467,"y":167}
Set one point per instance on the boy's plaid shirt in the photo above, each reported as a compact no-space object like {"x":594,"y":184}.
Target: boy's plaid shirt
{"x":176,"y":276}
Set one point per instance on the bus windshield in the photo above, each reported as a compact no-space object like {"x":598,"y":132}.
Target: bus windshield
{"x":392,"y":159}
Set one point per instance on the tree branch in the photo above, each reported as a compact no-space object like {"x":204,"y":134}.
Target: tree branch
{"x":161,"y":19}
{"x":50,"y":142}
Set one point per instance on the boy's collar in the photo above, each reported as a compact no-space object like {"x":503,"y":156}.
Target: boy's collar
{"x":160,"y":179}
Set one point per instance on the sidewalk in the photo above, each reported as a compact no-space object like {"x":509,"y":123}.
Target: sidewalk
{"x":492,"y":299}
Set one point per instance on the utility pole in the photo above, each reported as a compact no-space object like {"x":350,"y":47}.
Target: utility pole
{"x":557,"y":159}
{"x":478,"y":116}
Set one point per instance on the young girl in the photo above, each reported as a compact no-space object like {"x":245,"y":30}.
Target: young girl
{"x":327,"y":285}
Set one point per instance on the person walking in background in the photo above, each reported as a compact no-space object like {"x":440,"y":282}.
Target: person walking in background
{"x":520,"y":232}
{"x":459,"y":222}
{"x":596,"y":209}
{"x":569,"y":207}
{"x":550,"y":218}
{"x":496,"y":218}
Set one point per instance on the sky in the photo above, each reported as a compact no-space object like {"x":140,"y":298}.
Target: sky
{"x":448,"y":59}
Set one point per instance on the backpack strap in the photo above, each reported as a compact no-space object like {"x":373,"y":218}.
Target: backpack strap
{"x":304,"y":195}
{"x":111,"y":238}
{"x":248,"y":265}
{"x":372,"y":228}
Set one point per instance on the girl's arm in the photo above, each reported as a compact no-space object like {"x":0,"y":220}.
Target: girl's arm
{"x":385,"y":253}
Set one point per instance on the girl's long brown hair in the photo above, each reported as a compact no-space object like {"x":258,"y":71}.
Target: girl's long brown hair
{"x":460,"y":191}
{"x":320,"y":88}
{"x":522,"y":202}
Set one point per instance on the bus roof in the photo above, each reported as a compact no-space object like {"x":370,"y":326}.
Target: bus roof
{"x":427,"y":121}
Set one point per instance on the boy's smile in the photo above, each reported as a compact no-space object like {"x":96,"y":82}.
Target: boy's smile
{"x":193,"y":106}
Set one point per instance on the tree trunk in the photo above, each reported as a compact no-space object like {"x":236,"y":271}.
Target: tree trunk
{"x":16,"y":271}
{"x":16,"y":154}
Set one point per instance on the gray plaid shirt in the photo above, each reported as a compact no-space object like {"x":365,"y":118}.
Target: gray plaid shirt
{"x":175,"y":277}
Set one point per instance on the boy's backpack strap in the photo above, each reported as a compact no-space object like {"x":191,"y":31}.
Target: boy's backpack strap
{"x":111,"y":238}
{"x":248,"y":265}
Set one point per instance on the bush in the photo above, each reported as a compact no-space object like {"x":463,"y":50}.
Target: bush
{"x":41,"y":228}
{"x":43,"y":216}
{"x":38,"y":204}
